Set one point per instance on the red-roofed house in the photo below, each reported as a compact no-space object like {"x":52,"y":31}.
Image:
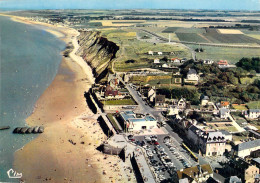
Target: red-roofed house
{"x":224,"y":104}
{"x":223,"y":63}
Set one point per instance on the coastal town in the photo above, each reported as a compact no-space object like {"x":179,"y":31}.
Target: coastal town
{"x":171,"y":111}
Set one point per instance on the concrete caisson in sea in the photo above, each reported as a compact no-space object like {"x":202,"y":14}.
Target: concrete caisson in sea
{"x":29,"y":130}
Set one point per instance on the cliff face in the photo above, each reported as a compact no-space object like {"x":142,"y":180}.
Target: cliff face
{"x":97,"y":51}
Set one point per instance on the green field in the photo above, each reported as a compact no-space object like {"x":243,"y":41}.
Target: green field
{"x":191,"y":37}
{"x":215,"y":37}
{"x":183,"y":30}
{"x":119,"y":102}
{"x":239,"y":107}
{"x":254,"y":105}
{"x":133,"y":49}
{"x":232,"y":55}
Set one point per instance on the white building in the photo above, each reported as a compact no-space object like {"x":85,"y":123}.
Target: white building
{"x":209,"y":62}
{"x":205,"y":100}
{"x":177,"y":61}
{"x":133,"y":123}
{"x":244,"y":149}
{"x":151,"y":95}
{"x":165,"y":66}
{"x":192,"y":75}
{"x":224,"y":113}
{"x":254,"y":113}
{"x":212,"y":143}
{"x":156,"y":61}
{"x":150,"y":52}
{"x":182,"y":103}
{"x":159,"y":53}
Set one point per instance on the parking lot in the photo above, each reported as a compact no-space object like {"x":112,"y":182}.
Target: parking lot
{"x":164,"y":154}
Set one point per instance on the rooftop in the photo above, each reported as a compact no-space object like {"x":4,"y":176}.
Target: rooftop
{"x":223,"y":110}
{"x":225,"y":132}
{"x":247,"y":145}
{"x":257,"y":160}
{"x":192,"y":71}
{"x":254,"y":110}
{"x":224,"y":103}
{"x":193,"y":171}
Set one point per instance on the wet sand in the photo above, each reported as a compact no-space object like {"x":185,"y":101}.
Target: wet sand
{"x":63,"y":111}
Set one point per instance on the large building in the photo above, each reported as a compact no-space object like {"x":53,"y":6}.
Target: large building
{"x":132,"y":122}
{"x":211,"y":143}
{"x":246,"y":148}
{"x":192,"y":76}
{"x":196,"y":174}
{"x":253,"y":114}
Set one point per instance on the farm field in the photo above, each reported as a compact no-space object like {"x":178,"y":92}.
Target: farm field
{"x":184,"y":30}
{"x":118,"y":23}
{"x":229,"y":31}
{"x":133,"y":49}
{"x":191,"y":37}
{"x":215,"y":37}
{"x":232,"y":55}
{"x":256,"y":36}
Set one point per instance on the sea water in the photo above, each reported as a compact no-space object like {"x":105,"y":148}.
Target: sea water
{"x":29,"y":60}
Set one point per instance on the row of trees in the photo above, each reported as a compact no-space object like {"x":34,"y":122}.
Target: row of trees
{"x":225,"y":83}
{"x":176,"y":93}
{"x":250,"y":64}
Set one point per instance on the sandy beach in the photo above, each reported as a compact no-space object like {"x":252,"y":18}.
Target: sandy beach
{"x":66,"y":151}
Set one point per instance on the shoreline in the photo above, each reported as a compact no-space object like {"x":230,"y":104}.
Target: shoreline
{"x":63,"y":111}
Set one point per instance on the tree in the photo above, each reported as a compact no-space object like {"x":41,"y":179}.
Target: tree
{"x":252,"y":73}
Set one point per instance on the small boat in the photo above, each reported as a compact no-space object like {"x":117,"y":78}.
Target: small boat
{"x":4,"y":127}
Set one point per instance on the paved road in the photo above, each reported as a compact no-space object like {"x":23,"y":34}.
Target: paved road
{"x":157,"y":114}
{"x":177,"y":140}
{"x":193,"y":53}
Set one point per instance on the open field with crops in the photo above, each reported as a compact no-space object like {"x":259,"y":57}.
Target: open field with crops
{"x":256,"y":36}
{"x":191,"y":37}
{"x":133,"y":49}
{"x":229,"y":31}
{"x":232,"y":55}
{"x":184,"y":30}
{"x":215,"y":37}
{"x":118,"y":23}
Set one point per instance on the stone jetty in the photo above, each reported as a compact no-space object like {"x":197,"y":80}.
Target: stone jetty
{"x":29,"y":130}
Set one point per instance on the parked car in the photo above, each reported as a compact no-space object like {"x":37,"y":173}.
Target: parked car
{"x":156,"y":143}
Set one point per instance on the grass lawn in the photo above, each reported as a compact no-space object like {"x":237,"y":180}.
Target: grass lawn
{"x":111,"y":119}
{"x":239,"y":107}
{"x":254,"y":105}
{"x":238,"y":138}
{"x":119,"y":102}
{"x":229,"y":129}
